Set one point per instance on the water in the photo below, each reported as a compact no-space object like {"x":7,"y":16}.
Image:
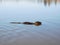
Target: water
{"x":45,"y":11}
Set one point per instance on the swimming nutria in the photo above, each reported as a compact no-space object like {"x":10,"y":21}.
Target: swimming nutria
{"x":37,"y":23}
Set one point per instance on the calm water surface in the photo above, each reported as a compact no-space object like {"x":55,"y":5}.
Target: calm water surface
{"x":46,"y":11}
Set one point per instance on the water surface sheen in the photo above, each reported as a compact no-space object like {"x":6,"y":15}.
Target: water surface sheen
{"x":45,"y":11}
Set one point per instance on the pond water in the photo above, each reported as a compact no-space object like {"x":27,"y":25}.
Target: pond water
{"x":45,"y":11}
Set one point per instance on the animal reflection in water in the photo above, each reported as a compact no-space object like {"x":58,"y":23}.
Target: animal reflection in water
{"x":37,"y":23}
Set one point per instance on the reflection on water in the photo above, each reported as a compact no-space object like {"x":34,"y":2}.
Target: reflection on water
{"x":27,"y":12}
{"x":50,"y":1}
{"x":46,"y":2}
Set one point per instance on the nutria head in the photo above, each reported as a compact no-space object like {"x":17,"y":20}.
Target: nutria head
{"x":37,"y":23}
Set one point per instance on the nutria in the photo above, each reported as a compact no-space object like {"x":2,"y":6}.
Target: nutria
{"x":37,"y":23}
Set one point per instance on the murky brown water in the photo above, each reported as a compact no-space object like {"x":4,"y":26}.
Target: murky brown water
{"x":45,"y":11}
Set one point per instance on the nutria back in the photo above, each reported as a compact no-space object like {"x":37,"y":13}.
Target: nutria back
{"x":28,"y":23}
